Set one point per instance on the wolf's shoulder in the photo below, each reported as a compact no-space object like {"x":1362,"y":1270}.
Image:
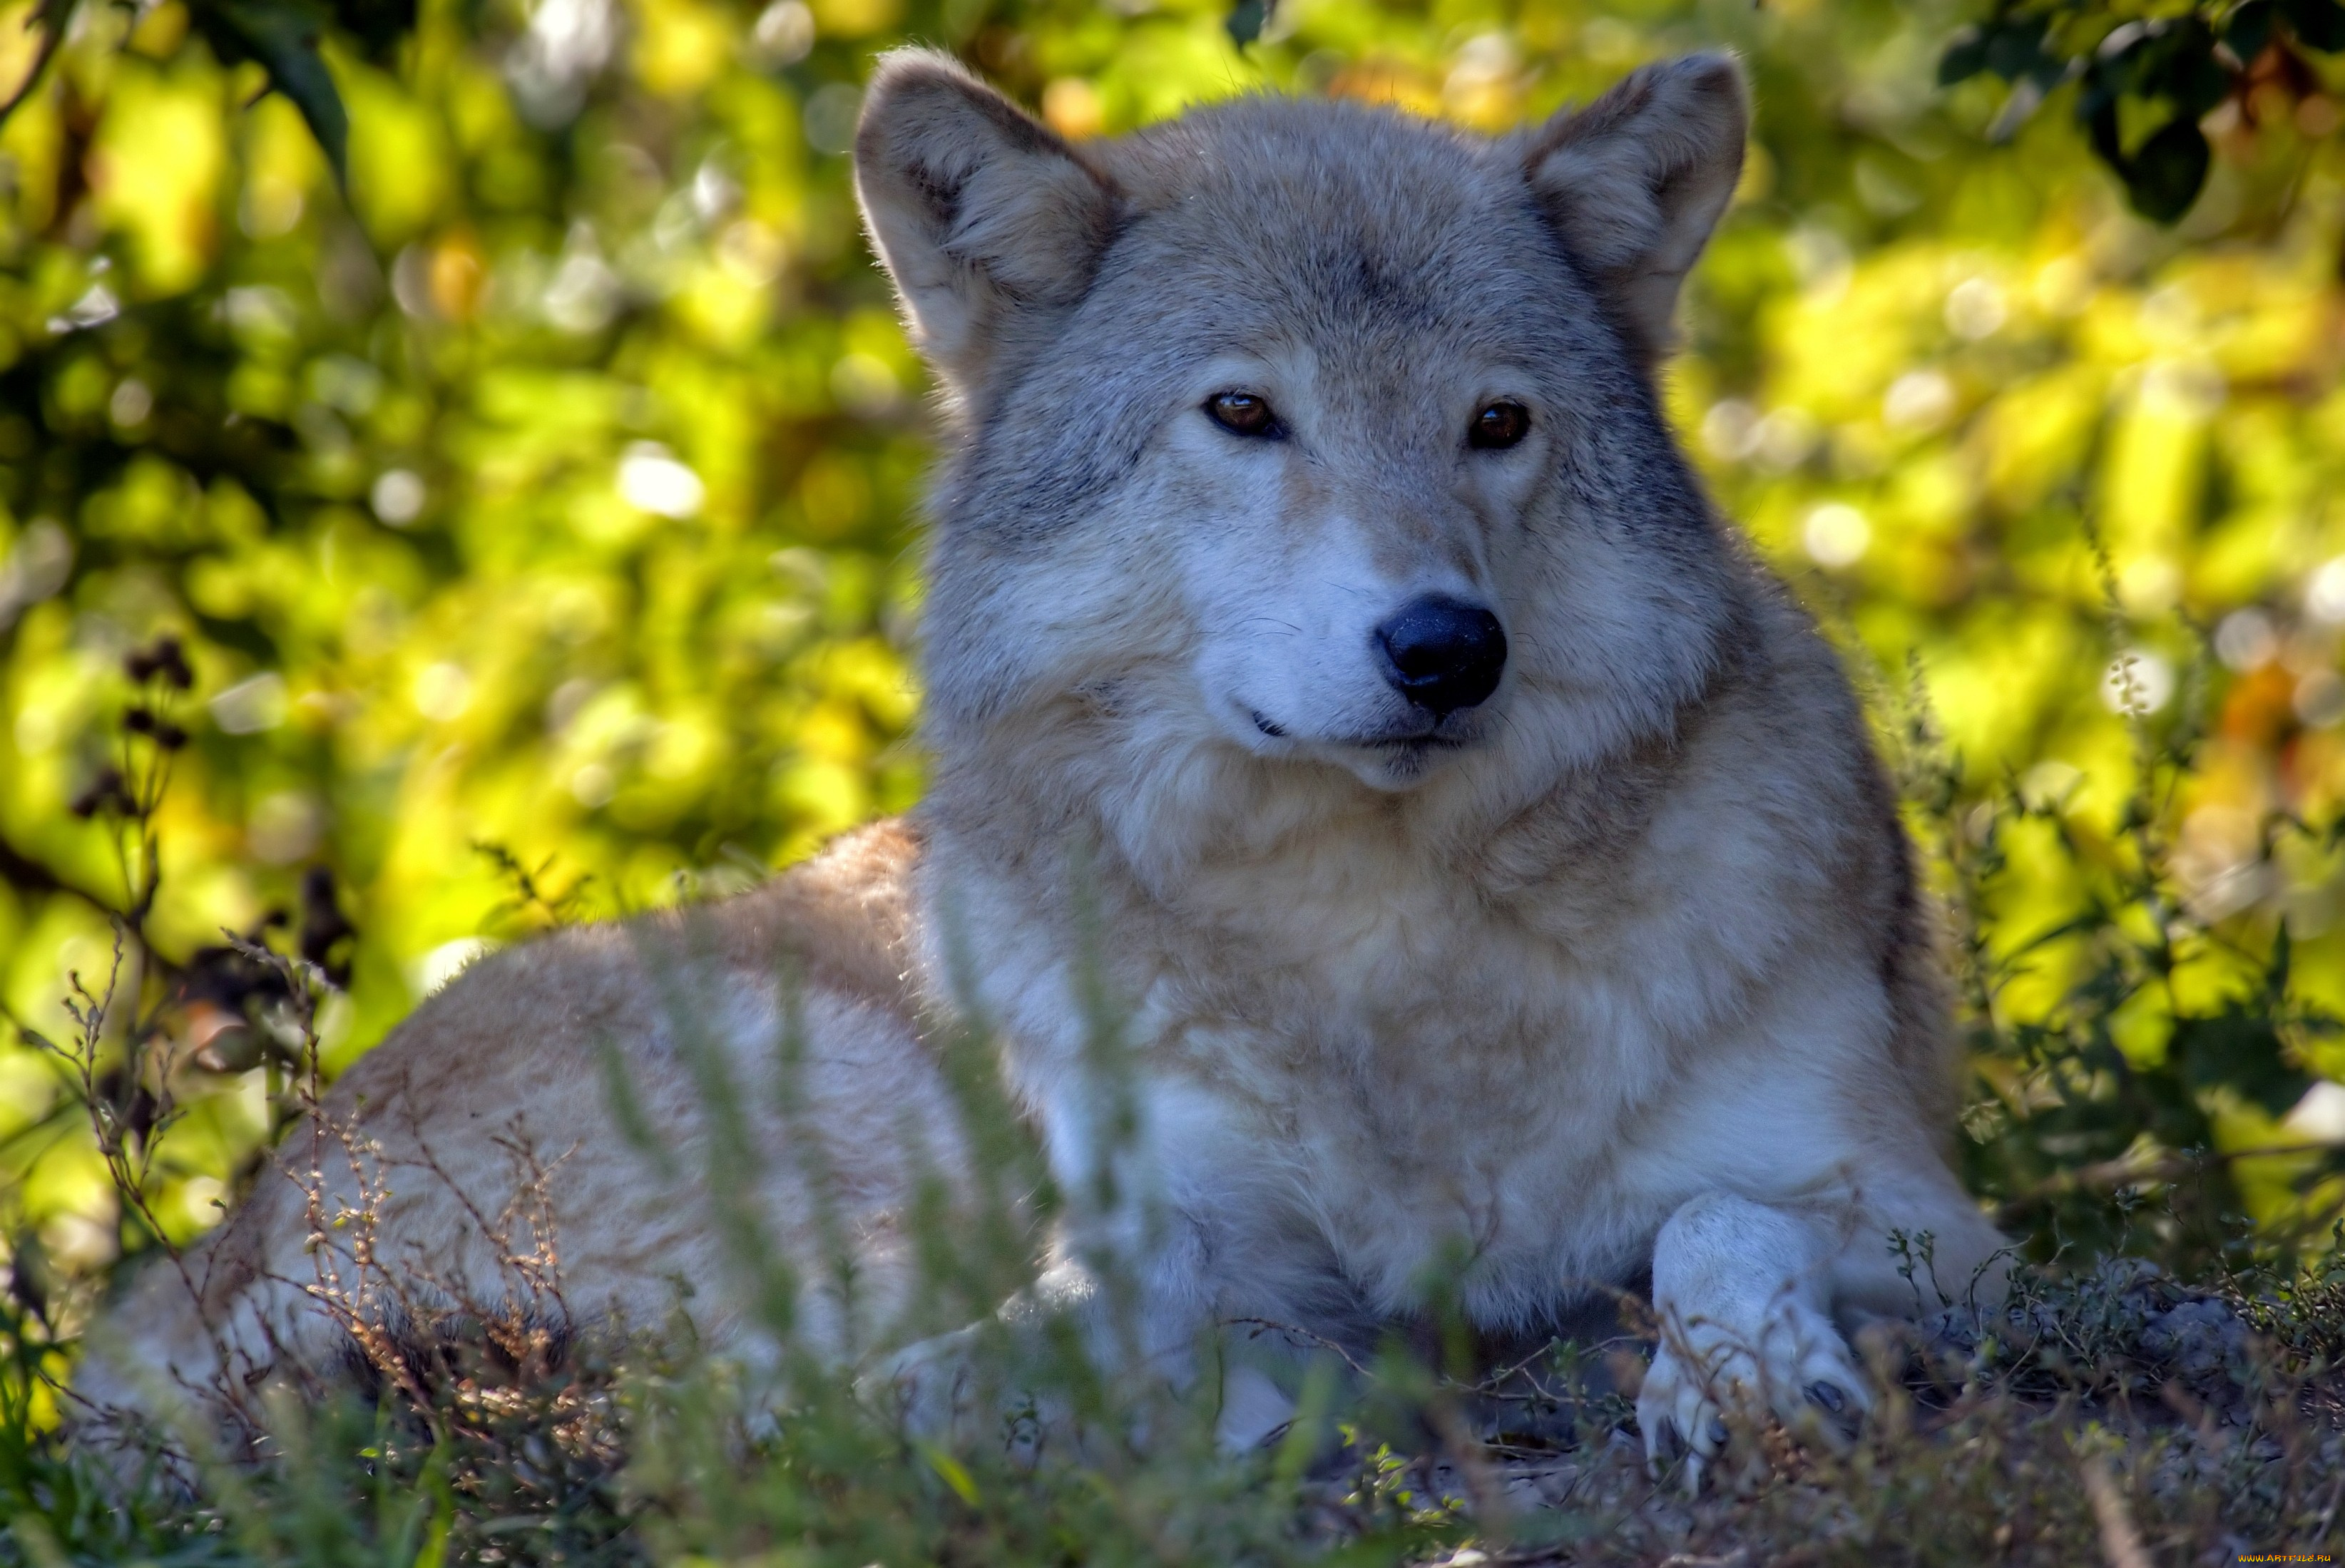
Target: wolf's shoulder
{"x":1772,"y":773}
{"x":1787,"y":684}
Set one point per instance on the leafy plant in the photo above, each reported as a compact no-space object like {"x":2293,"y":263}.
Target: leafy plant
{"x":286,"y":38}
{"x":2144,"y":83}
{"x":2089,"y":1140}
{"x":548,"y":482}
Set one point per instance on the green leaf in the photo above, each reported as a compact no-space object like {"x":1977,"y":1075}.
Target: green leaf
{"x":377,"y":26}
{"x":2016,"y":49}
{"x":282,"y":37}
{"x":2249,"y":29}
{"x":2184,"y":69}
{"x":2098,"y":110}
{"x":48,"y":18}
{"x":1246,"y":20}
{"x":2240,"y":1051}
{"x":2166,"y":175}
{"x":2318,"y":24}
{"x":1965,"y":57}
{"x":2176,"y":1120}
{"x":952,"y":1472}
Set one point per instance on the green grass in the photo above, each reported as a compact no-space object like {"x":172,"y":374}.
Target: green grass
{"x":2108,"y":1414}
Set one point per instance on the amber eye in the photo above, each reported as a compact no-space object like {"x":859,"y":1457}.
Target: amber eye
{"x":1498,"y":425}
{"x":1243,"y":414}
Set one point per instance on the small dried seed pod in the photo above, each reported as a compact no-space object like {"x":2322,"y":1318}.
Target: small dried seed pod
{"x":105,"y":791}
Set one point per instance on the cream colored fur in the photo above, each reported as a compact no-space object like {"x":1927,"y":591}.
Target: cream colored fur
{"x":1618,"y":978}
{"x":422,"y":1176}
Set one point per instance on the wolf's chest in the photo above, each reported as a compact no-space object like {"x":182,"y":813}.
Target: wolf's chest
{"x":1427,"y":991}
{"x":1430,"y":1069}
{"x":1413,"y":1153}
{"x":1426,"y":1079}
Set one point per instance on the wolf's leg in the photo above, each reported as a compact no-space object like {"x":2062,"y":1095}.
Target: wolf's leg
{"x":177,"y":1363}
{"x":1952,"y":1254}
{"x":1137,"y":1288}
{"x":1743,"y":1293}
{"x":1749,"y":1296}
{"x":938,"y":1389}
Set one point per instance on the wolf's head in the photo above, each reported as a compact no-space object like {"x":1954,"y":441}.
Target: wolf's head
{"x":1306,"y":431}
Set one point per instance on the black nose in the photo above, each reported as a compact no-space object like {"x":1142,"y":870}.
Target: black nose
{"x":1443,"y":654}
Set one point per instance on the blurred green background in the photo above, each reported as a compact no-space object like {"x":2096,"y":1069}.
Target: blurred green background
{"x":550,"y":498}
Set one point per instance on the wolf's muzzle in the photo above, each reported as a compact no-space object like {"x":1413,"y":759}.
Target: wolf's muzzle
{"x":1443,"y":654}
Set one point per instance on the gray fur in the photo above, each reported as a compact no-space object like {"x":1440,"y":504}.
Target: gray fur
{"x":1619,"y":976}
{"x":1619,"y":884}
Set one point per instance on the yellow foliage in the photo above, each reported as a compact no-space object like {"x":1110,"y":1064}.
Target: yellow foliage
{"x":684,"y":44}
{"x":165,"y":205}
{"x":398,"y":156}
{"x":568,"y":495}
{"x":856,"y":19}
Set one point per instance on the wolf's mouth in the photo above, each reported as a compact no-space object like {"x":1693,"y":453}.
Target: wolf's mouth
{"x":1434,"y":737}
{"x":1421,"y":741}
{"x":1441,"y":733}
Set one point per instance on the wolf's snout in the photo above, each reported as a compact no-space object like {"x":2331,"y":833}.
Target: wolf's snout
{"x":1443,"y":654}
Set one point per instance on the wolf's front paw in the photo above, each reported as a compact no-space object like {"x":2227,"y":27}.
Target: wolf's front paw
{"x":959,"y":1389}
{"x":930,"y":1388}
{"x":1793,"y":1364}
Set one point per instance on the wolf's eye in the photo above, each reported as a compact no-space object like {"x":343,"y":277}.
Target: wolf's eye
{"x":1498,"y":425}
{"x":1243,"y":414}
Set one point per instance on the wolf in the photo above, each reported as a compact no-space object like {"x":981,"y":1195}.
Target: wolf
{"x":1331,"y":659}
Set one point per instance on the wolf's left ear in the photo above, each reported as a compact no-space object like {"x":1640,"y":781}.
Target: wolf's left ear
{"x":1636,"y":181}
{"x":984,"y":219}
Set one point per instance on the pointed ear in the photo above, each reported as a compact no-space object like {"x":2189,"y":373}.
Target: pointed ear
{"x":981,"y":215}
{"x":1636,"y":181}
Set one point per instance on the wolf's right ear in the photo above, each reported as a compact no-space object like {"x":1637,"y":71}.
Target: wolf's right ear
{"x":980,"y":214}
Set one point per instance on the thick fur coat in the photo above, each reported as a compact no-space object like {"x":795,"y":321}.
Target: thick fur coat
{"x":1612,"y":973}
